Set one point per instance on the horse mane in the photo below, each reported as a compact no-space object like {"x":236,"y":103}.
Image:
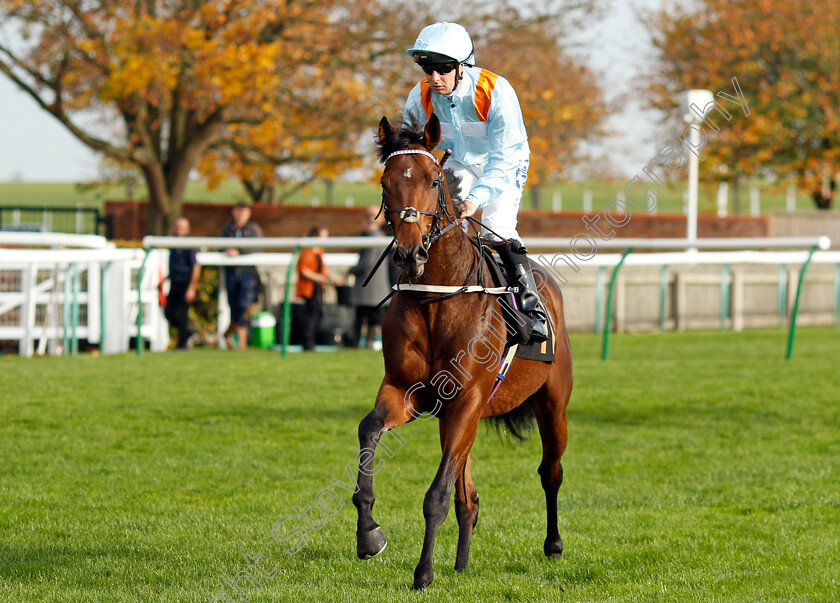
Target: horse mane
{"x":405,"y":136}
{"x":453,"y":185}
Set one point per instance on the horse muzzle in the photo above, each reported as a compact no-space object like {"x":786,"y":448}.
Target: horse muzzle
{"x":412,"y":261}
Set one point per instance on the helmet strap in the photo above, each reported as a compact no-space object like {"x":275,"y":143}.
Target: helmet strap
{"x":458,"y":75}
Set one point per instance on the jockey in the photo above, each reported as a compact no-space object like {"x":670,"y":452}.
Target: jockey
{"x":481,"y":124}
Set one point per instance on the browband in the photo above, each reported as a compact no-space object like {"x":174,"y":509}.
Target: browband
{"x":414,"y":152}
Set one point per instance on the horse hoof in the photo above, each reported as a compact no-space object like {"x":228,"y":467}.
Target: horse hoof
{"x":421,"y":581}
{"x":370,"y":544}
{"x":553,"y":549}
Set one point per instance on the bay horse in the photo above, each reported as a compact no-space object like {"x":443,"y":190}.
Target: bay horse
{"x":435,"y":343}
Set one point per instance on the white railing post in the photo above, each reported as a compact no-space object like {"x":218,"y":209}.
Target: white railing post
{"x":28,"y":277}
{"x":116,"y":286}
{"x":94,"y":323}
{"x":223,"y":315}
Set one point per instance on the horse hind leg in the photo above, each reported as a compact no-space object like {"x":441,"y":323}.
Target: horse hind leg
{"x":466,"y":505}
{"x":551,"y":419}
{"x":466,"y":511}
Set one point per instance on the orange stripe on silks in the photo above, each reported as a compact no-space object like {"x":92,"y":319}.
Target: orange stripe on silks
{"x":426,"y":98}
{"x":484,"y":93}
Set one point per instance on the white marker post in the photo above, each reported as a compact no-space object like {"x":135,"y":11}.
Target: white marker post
{"x":700,"y":98}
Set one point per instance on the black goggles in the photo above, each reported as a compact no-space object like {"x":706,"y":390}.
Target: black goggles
{"x":441,"y":68}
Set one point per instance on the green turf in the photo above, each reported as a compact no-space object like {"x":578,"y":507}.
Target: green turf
{"x":700,"y":467}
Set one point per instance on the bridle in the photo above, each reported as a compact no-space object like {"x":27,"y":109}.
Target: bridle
{"x":411,"y":215}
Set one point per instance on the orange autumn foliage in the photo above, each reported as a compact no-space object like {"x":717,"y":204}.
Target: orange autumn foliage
{"x":786,"y":57}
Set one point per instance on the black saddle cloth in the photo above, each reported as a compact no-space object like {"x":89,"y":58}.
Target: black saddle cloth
{"x":518,"y":324}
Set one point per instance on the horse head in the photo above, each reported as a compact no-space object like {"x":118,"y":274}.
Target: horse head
{"x":414,"y":196}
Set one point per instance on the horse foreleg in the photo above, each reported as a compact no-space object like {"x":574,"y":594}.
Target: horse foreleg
{"x":370,"y":539}
{"x":466,"y":510}
{"x":458,"y":440}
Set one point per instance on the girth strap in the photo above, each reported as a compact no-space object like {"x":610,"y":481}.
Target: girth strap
{"x":454,"y":288}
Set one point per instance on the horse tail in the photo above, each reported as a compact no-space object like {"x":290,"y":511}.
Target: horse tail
{"x":517,"y":422}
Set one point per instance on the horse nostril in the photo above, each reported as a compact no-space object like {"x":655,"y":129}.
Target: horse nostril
{"x":399,"y":256}
{"x":420,"y":254}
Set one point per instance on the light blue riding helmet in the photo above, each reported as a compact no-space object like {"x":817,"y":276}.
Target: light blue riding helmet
{"x":443,"y":42}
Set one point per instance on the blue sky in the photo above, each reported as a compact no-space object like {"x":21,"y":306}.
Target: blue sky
{"x":35,"y":147}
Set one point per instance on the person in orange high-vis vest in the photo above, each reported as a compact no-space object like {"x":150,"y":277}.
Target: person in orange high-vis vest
{"x":313,"y":277}
{"x":482,"y":127}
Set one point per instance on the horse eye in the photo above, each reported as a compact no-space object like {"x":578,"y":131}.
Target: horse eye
{"x":435,"y":183}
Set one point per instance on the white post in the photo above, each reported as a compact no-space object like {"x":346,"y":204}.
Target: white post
{"x":755,"y":202}
{"x":315,"y":202}
{"x":223,"y":315}
{"x":694,"y":104}
{"x":28,"y":277}
{"x":693,"y":176}
{"x":723,"y":200}
{"x":587,"y":201}
{"x":93,"y":300}
{"x":115,"y":284}
{"x":349,"y":202}
{"x":557,"y":201}
{"x":158,"y":336}
{"x":790,"y":201}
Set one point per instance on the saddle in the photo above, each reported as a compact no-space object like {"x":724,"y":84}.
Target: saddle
{"x":518,"y":324}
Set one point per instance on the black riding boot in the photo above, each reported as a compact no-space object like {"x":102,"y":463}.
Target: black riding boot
{"x":513,"y":254}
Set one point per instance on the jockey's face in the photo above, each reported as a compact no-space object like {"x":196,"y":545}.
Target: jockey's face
{"x":444,"y":84}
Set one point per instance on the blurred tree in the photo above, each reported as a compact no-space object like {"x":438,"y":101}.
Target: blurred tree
{"x":786,"y":58}
{"x":269,"y":91}
{"x":157,"y":84}
{"x":562,"y":102}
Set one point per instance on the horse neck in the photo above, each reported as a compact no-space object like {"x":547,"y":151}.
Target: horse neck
{"x":451,"y":259}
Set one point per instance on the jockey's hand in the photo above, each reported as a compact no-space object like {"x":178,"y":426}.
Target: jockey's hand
{"x":464,"y":210}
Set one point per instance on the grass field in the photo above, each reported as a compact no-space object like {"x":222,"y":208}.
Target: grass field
{"x":572,"y":193}
{"x":700,"y":467}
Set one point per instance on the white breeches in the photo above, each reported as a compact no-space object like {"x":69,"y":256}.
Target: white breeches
{"x":500,"y":215}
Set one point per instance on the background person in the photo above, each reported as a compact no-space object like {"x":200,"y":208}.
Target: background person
{"x":241,"y":281}
{"x":481,"y":123}
{"x":313,"y":277}
{"x":184,"y":271}
{"x":368,"y":298}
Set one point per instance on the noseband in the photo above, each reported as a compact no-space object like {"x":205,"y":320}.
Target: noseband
{"x":411,"y":215}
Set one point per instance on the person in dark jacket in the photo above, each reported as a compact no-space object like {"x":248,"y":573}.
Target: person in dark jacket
{"x":241,"y":281}
{"x":183,"y":279}
{"x":368,"y":298}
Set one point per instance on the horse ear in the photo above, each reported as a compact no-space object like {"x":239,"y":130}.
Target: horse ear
{"x":432,"y":132}
{"x":386,"y":131}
